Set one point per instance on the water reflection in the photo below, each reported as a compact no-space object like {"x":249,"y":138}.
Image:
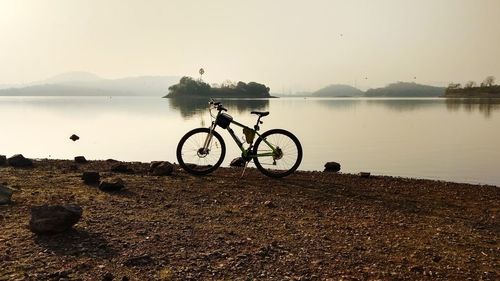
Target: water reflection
{"x":405,"y":104}
{"x":190,"y":107}
{"x":485,"y":106}
{"x":339,"y":103}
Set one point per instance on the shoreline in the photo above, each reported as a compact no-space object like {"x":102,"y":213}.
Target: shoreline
{"x":308,"y":226}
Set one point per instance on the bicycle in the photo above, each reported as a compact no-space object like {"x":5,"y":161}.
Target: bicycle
{"x":202,"y":150}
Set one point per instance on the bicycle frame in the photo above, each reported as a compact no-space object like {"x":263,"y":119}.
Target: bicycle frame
{"x":246,"y":153}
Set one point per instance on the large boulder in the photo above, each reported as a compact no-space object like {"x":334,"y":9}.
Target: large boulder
{"x":5,"y":195}
{"x":53,"y":219}
{"x":111,"y":185}
{"x":91,"y":177}
{"x":332,"y":167}
{"x":3,"y":160}
{"x":163,"y":168}
{"x":18,"y":160}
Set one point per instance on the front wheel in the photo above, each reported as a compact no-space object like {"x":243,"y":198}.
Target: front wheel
{"x":277,"y":153}
{"x":192,"y":156}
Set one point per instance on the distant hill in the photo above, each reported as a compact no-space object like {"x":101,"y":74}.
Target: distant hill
{"x":338,"y":90}
{"x":88,"y":84}
{"x":406,"y":89}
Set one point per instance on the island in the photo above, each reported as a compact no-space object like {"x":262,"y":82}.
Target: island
{"x":487,"y":89}
{"x":407,"y":90}
{"x":338,"y":90}
{"x":197,"y":88}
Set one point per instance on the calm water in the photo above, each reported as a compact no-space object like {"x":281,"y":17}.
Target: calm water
{"x":423,"y":138}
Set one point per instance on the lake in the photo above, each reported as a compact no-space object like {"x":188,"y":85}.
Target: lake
{"x":422,"y":138}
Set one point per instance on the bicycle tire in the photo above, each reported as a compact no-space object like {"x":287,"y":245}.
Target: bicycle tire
{"x":196,"y":168}
{"x":273,"y":136}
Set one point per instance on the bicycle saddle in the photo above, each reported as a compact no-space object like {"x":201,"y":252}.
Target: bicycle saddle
{"x":260,"y":113}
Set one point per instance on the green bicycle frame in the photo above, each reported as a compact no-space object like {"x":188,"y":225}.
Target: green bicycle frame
{"x":245,"y":152}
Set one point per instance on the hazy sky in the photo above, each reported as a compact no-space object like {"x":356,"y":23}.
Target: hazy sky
{"x":289,"y":45}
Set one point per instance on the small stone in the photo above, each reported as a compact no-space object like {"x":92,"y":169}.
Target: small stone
{"x":364,"y":174}
{"x":162,"y":169}
{"x":437,"y":258}
{"x":47,"y":219}
{"x":108,"y":276}
{"x":139,"y":261}
{"x":332,"y":167}
{"x":5,"y":195}
{"x":18,"y":160}
{"x":238,"y":162}
{"x":80,"y":160}
{"x":112,"y":185}
{"x":74,"y":137}
{"x":269,"y":204}
{"x":417,"y":269}
{"x":3,"y":160}
{"x":91,"y":177}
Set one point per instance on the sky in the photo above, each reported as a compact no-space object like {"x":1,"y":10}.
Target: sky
{"x":291,"y":46}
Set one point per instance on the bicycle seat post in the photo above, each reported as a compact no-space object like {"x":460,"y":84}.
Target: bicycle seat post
{"x":256,"y":127}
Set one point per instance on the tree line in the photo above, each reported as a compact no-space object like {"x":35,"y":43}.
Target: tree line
{"x":487,"y":82}
{"x":189,"y":87}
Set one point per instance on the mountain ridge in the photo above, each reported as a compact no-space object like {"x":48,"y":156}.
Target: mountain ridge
{"x":88,"y":84}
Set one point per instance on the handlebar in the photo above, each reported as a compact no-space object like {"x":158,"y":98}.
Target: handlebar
{"x":217,"y":105}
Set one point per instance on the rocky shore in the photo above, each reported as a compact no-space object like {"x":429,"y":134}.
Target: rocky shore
{"x":308,"y":226}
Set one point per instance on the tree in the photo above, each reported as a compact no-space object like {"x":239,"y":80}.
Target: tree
{"x":189,"y":86}
{"x":489,"y":81}
{"x":453,"y":86}
{"x":470,"y":84}
{"x":228,"y":84}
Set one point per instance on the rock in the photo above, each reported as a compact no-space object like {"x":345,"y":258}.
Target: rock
{"x":91,"y":177}
{"x":364,"y":174}
{"x":112,"y":160}
{"x":153,"y":165}
{"x":80,"y":160}
{"x":332,"y":167}
{"x":417,"y":269}
{"x":3,"y":160}
{"x":139,"y":261}
{"x":269,"y":204}
{"x":162,"y":169}
{"x":5,"y":195}
{"x":54,"y":219}
{"x":18,"y":160}
{"x":437,"y":258}
{"x":238,"y":162}
{"x":121,"y":168}
{"x":74,"y":137}
{"x":108,"y":276}
{"x":112,"y":185}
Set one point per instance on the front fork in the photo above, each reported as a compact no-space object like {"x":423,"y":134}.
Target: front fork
{"x":205,"y":149}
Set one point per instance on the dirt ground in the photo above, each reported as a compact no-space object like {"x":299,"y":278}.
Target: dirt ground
{"x":308,"y":226}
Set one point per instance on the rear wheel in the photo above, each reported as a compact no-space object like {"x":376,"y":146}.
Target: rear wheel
{"x":284,"y":159}
{"x":191,"y":156}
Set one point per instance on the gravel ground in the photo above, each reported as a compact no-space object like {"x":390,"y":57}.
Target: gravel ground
{"x":308,"y":226}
